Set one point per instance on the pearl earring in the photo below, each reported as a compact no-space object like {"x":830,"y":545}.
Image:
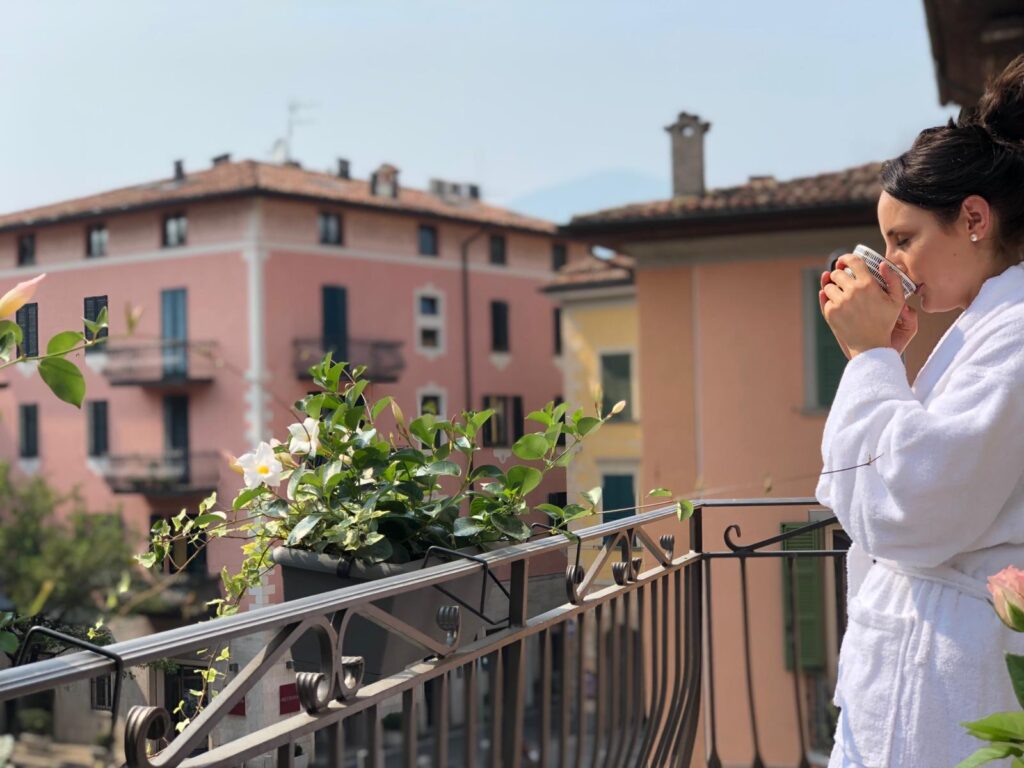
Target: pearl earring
{"x":974,"y":238}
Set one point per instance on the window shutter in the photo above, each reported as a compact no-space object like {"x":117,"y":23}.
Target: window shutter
{"x":810,"y":600}
{"x":489,"y":427}
{"x":615,"y":383}
{"x":517,"y":418}
{"x":617,"y":493}
{"x":28,"y":319}
{"x":829,"y":360}
{"x":335,"y":321}
{"x":499,"y":326}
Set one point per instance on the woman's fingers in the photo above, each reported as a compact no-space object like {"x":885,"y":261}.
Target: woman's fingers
{"x":832,"y":291}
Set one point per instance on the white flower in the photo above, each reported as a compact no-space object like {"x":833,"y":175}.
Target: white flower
{"x":305,"y":437}
{"x":261,"y":466}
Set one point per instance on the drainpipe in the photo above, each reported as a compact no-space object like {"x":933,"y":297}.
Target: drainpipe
{"x":467,"y":371}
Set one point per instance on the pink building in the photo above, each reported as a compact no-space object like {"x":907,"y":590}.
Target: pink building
{"x":246,"y":273}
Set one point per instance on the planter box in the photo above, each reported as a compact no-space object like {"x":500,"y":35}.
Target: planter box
{"x":384,"y":653}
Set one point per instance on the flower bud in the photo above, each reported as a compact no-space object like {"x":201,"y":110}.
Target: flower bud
{"x":1007,"y":589}
{"x":18,"y":296}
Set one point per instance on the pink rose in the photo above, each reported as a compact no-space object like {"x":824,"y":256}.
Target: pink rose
{"x":1007,"y":588}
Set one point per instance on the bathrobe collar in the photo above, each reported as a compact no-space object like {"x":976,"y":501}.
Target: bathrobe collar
{"x":998,"y":291}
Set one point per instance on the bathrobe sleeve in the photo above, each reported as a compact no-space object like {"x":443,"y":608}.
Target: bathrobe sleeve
{"x":938,"y":476}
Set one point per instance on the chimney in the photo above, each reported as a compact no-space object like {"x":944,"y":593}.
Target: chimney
{"x":343,"y":169}
{"x":179,"y":170}
{"x":221,"y":159}
{"x":687,"y":134}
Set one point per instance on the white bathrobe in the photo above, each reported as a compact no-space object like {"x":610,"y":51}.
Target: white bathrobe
{"x":939,"y":508}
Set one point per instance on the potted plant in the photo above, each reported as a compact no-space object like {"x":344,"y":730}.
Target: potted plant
{"x":343,"y":502}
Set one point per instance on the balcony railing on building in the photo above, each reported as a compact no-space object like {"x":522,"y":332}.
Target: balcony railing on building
{"x":171,"y":473}
{"x":161,"y":363}
{"x":383,"y":359}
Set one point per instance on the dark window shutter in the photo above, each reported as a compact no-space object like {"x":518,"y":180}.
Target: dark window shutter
{"x":617,"y":493}
{"x":498,"y":249}
{"x":558,"y":256}
{"x":810,"y":600}
{"x":829,"y":360}
{"x":29,"y":432}
{"x":27,"y":319}
{"x":98,"y":430}
{"x":499,"y":326}
{"x":490,"y":427}
{"x":518,"y":420}
{"x":558,"y":330}
{"x":335,"y":321}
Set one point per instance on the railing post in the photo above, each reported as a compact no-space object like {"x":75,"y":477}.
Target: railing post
{"x":514,"y":689}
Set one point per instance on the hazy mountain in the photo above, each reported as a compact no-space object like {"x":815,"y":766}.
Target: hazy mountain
{"x":603,"y":189}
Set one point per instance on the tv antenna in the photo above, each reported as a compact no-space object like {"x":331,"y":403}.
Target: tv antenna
{"x":281,"y":152}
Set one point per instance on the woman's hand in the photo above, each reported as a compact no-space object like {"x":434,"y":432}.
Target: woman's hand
{"x":860,"y":314}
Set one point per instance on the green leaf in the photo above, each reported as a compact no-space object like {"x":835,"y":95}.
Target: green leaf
{"x":660,"y":492}
{"x":209,"y":518}
{"x":8,"y":642}
{"x":9,"y":327}
{"x":379,"y":406}
{"x":447,"y":468}
{"x":684,"y":509}
{"x":587,"y":424}
{"x":1001,"y":726}
{"x":465,"y":527}
{"x":305,"y":525}
{"x":246,"y":496}
{"x":524,"y":479}
{"x":530,"y":447}
{"x":540,"y":417}
{"x":64,"y":379}
{"x":477,"y":420}
{"x":987,"y":755}
{"x":510,"y":526}
{"x":1015,"y":665}
{"x":64,"y":341}
{"x":486,"y":470}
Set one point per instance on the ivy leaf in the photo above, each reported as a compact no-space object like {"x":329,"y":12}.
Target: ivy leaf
{"x":64,"y":379}
{"x":305,"y":525}
{"x":556,"y":513}
{"x":486,"y":470}
{"x":510,"y":526}
{"x":246,"y":496}
{"x":446,"y":468}
{"x":530,"y":447}
{"x":524,"y":479}
{"x":209,"y":518}
{"x":465,"y":527}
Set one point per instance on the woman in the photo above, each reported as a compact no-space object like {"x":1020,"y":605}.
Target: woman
{"x":928,"y":480}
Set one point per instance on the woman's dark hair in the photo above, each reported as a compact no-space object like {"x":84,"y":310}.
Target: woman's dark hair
{"x":981,"y":153}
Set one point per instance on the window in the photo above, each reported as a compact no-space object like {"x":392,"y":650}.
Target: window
{"x":429,"y":306}
{"x":93,"y":306}
{"x":28,"y":431}
{"x":825,"y":361}
{"x":430,"y":404}
{"x":428,"y":240}
{"x":558,"y":330}
{"x":499,"y":326}
{"x":616,"y":383}
{"x":618,"y":499}
{"x":181,"y":550}
{"x":430,"y":337}
{"x":329,"y":225}
{"x":561,"y":436}
{"x":334,"y":308}
{"x":174,"y":332}
{"x":175,"y":230}
{"x":26,"y":250}
{"x":498,"y":249}
{"x":27,"y":319}
{"x":96,"y":241}
{"x":558,"y":498}
{"x":506,"y":425}
{"x":98,"y":441}
{"x":100,"y":692}
{"x":558,"y":256}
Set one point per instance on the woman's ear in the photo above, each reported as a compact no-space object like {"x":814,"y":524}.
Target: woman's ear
{"x":976,"y":218}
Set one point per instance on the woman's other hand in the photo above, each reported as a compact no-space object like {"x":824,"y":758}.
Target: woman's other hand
{"x":862,"y":315}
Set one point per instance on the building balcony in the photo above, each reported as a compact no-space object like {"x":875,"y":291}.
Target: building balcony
{"x":168,"y":474}
{"x":161,"y":363}
{"x":574,"y":669}
{"x":383,"y":359}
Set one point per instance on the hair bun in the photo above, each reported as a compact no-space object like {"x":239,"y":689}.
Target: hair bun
{"x":1000,"y":110}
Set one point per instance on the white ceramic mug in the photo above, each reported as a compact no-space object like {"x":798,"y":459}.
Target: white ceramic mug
{"x":872,"y":260}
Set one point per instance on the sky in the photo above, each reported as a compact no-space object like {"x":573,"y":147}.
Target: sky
{"x":554,"y":107}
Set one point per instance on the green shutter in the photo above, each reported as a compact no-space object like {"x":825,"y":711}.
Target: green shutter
{"x":810,"y":600}
{"x":830,"y":362}
{"x":617,"y":493}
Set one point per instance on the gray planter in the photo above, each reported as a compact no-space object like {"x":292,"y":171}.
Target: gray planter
{"x":384,"y":653}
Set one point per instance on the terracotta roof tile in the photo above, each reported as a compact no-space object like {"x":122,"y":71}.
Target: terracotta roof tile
{"x":762,"y":193}
{"x":250,"y":176}
{"x":595,"y":271}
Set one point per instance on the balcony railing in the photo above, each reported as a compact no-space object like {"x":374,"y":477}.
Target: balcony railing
{"x":168,"y":474}
{"x":161,"y":363}
{"x":383,"y":359}
{"x":618,"y":674}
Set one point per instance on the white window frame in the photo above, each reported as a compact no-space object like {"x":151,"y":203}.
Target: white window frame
{"x":432,"y":390}
{"x":430,"y":322}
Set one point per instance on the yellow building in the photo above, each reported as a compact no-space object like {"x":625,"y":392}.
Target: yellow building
{"x":598,"y":322}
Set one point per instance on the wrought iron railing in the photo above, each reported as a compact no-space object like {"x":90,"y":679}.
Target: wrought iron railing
{"x":613,"y":675}
{"x":383,"y":359}
{"x":161,"y":363}
{"x":170,"y":473}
